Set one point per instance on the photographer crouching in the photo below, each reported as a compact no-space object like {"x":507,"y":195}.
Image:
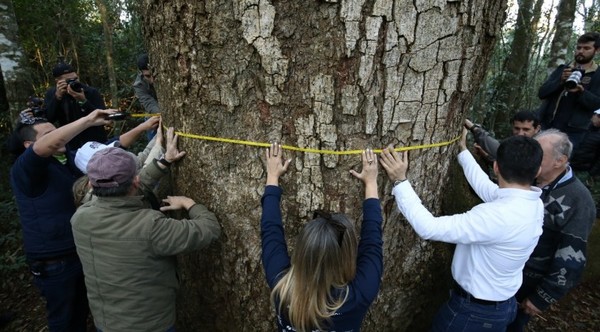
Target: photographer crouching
{"x":70,"y":100}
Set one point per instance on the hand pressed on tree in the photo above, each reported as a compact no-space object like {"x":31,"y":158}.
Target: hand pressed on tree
{"x":394,"y":163}
{"x":177,"y":203}
{"x":276,"y":164}
{"x":368,"y":174}
{"x":172,"y":153}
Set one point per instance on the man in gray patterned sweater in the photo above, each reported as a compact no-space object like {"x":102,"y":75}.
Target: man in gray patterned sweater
{"x":558,"y":260}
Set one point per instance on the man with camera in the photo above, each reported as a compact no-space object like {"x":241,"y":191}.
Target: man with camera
{"x":572,"y":92}
{"x":70,"y":100}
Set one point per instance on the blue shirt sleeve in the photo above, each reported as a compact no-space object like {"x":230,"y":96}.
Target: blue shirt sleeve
{"x":369,"y":263}
{"x":275,"y":256}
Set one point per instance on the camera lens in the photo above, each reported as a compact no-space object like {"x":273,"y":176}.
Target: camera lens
{"x":75,"y":85}
{"x":573,"y":80}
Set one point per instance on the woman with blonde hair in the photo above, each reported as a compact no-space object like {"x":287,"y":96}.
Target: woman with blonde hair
{"x":332,"y":278}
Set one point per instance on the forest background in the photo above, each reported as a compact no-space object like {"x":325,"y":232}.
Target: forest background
{"x":103,"y":38}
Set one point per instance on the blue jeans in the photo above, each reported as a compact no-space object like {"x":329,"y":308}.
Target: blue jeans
{"x":62,"y":284}
{"x":520,"y":322}
{"x":461,"y":314}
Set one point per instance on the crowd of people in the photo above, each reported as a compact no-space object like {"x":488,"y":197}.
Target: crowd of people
{"x":98,"y":240}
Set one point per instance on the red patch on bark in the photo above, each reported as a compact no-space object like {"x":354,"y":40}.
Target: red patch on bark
{"x":264,"y":111}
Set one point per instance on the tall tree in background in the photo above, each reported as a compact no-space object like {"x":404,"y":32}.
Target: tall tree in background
{"x":108,"y":16}
{"x":565,"y":15}
{"x":591,"y":16}
{"x":14,"y":90}
{"x":324,"y":75}
{"x":78,"y":36}
{"x":510,"y":91}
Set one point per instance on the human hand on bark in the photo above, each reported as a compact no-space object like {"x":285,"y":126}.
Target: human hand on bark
{"x":394,"y":163}
{"x":158,"y":138}
{"x":276,"y":164}
{"x":177,"y":202}
{"x":368,"y":174}
{"x":150,"y":124}
{"x":463,"y":140}
{"x":172,"y":153}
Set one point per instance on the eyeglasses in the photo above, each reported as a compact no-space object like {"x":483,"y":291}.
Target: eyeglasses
{"x":330,"y":219}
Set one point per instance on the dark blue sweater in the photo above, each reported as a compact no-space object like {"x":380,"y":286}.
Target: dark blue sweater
{"x":369,"y":262}
{"x":557,"y":261}
{"x":42,"y":188}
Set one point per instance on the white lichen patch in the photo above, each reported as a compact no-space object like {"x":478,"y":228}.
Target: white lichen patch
{"x":257,"y":19}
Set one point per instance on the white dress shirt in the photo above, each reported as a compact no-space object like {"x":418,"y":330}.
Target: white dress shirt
{"x":493,"y":240}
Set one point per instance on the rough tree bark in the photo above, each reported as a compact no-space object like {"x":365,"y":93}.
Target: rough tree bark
{"x":320,"y":74}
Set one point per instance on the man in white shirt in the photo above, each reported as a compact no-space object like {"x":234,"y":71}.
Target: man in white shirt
{"x":493,"y":239}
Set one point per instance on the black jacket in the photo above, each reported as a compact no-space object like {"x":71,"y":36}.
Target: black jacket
{"x":67,"y":110}
{"x":587,"y":155}
{"x":573,"y":110}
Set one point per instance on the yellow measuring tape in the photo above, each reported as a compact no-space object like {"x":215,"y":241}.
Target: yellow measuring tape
{"x":295,"y":148}
{"x":310,"y":150}
{"x":143,"y":115}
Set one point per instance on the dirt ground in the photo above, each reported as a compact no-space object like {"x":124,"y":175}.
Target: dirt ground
{"x":579,"y":311}
{"x":22,"y":308}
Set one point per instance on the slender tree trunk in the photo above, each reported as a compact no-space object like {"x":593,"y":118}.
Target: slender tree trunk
{"x":591,"y":17}
{"x":15,"y":90}
{"x":565,"y":16}
{"x":107,"y":26}
{"x":511,"y":89}
{"x":324,"y":75}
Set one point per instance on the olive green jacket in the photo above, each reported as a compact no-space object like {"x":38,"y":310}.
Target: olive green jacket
{"x":128,"y":255}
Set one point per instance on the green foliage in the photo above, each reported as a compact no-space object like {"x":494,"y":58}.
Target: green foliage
{"x":12,"y":257}
{"x":72,"y":29}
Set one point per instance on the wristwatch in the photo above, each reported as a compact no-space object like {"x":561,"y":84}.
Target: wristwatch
{"x":163,"y":160}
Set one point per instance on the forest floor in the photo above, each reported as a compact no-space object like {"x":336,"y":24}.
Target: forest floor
{"x":578,"y":311}
{"x":21,"y":303}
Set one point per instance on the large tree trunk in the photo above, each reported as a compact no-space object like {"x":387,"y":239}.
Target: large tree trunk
{"x":323,"y":75}
{"x":565,"y":15}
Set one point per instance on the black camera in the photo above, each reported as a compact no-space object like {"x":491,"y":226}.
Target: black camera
{"x":574,"y":79}
{"x":117,"y":116}
{"x":35,"y":105}
{"x":75,"y":85}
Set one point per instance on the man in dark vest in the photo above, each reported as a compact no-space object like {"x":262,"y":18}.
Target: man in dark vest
{"x":42,"y":188}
